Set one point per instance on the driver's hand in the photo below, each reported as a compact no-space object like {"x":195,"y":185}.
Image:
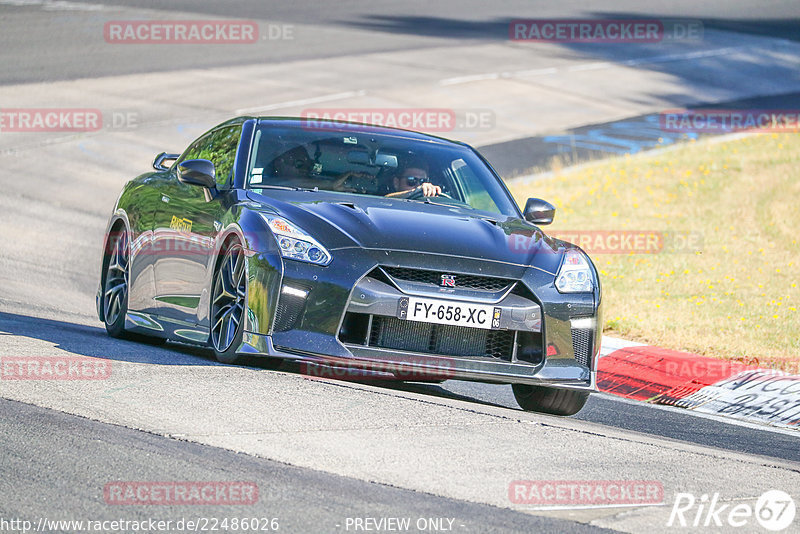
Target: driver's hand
{"x":429,"y":190}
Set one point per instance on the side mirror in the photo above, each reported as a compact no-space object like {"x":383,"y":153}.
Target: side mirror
{"x":158,"y":162}
{"x":538,"y":211}
{"x":197,"y":172}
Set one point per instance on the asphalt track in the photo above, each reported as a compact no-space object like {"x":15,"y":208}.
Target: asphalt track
{"x":55,"y":468}
{"x":46,"y":48}
{"x":320,"y":451}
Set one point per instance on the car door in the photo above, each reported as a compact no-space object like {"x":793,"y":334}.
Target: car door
{"x":187,"y":222}
{"x":140,"y":202}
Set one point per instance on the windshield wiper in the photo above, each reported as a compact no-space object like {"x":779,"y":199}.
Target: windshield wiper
{"x":456,"y":204}
{"x":266,"y":186}
{"x":285,"y":187}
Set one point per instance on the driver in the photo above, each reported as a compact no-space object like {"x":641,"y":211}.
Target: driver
{"x":413,"y":179}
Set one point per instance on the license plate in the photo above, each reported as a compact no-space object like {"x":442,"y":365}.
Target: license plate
{"x":449,"y":312}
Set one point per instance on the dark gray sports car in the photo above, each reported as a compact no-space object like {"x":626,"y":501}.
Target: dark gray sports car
{"x":358,"y":247}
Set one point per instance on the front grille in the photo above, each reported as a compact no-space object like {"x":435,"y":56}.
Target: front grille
{"x":448,"y":340}
{"x":582,"y":345}
{"x":434,"y":278}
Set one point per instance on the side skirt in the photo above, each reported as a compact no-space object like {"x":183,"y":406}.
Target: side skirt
{"x":164,"y":327}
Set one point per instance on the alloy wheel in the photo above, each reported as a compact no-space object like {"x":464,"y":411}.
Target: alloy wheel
{"x":115,"y":292}
{"x":228,"y":298}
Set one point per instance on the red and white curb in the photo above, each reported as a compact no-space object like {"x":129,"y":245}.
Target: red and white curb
{"x":699,"y":383}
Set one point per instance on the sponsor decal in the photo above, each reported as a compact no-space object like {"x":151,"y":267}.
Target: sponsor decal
{"x":182,"y":225}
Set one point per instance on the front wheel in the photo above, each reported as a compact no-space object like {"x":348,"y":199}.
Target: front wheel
{"x":228,"y":299}
{"x":549,"y":400}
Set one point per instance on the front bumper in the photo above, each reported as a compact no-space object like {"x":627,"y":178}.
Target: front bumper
{"x":563,"y":329}
{"x":410,"y":366}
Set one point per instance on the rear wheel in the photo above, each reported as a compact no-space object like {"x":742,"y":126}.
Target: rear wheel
{"x":116,"y":282}
{"x":115,"y":285}
{"x":549,"y":400}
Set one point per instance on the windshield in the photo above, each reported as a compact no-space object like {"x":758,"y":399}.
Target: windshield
{"x":358,"y":163}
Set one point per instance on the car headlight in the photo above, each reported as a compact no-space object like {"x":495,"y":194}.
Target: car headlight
{"x":575,"y":274}
{"x":295,"y":243}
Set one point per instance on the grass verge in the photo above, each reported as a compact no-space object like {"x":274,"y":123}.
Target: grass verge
{"x":732,"y":293}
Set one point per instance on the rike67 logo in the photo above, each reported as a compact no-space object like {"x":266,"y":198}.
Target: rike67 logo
{"x":774,"y":510}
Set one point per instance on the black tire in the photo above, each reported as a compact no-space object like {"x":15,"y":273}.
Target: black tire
{"x":115,"y":283}
{"x":228,"y":303}
{"x":549,"y":400}
{"x":228,"y":300}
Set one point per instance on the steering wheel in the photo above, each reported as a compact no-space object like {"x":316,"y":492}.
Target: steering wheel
{"x":417,"y":194}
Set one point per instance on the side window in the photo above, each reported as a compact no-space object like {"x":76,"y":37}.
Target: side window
{"x":476,"y":194}
{"x":219,"y":147}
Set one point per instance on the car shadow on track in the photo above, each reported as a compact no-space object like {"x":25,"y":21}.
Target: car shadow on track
{"x":93,"y":342}
{"x":428,"y":389}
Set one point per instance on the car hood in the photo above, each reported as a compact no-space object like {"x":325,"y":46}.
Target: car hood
{"x":340,"y":221}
